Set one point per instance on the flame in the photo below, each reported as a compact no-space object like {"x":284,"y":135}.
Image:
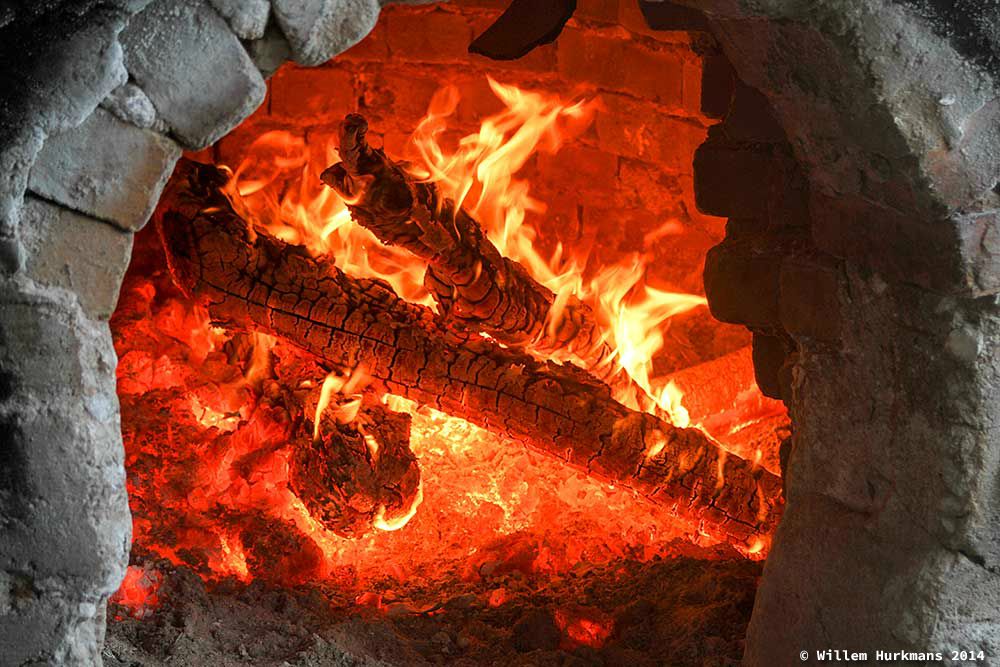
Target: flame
{"x":221,"y":456}
{"x":347,"y":411}
{"x":480,"y":173}
{"x":395,"y":523}
{"x":138,"y":592}
{"x":279,"y":188}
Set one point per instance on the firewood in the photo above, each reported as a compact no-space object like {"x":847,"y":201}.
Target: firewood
{"x":249,"y":279}
{"x":476,"y":287}
{"x":352,"y":476}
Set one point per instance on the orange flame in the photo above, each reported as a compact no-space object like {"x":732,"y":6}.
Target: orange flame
{"x":279,"y":184}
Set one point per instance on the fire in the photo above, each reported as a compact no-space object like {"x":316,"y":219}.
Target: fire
{"x":213,"y":484}
{"x":138,"y":593}
{"x":279,"y":187}
{"x":584,"y":626}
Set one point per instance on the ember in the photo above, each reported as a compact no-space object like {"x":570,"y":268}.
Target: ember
{"x":257,"y":451}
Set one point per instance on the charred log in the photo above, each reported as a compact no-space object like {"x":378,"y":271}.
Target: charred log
{"x":356,"y":475}
{"x":249,"y":279}
{"x":477,"y":288}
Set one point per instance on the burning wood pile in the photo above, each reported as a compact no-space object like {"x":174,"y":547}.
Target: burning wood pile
{"x":392,"y":356}
{"x":251,"y":280}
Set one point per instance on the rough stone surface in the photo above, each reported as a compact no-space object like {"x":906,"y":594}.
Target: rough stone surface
{"x":317,"y":30}
{"x":890,"y":536}
{"x":270,"y":51}
{"x":883,"y":111}
{"x":75,"y":53}
{"x":247,"y":18}
{"x":68,"y":250}
{"x":193,"y":68}
{"x":809,"y":301}
{"x":105,"y":168}
{"x":131,"y":105}
{"x":65,"y":520}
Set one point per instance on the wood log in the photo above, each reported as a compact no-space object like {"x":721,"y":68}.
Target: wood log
{"x":247,"y":278}
{"x":476,"y":287}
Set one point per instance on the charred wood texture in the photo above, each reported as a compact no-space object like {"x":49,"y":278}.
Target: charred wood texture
{"x":477,"y":288}
{"x":352,"y":475}
{"x":524,"y":25}
{"x":249,"y":279}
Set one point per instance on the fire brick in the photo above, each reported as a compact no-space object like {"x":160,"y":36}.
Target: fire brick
{"x":640,"y":130}
{"x":312,"y":95}
{"x":625,"y":65}
{"x":731,"y":181}
{"x":436,"y":36}
{"x":742,"y":285}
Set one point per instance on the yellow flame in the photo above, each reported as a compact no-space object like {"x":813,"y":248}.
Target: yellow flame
{"x":395,"y":523}
{"x":332,"y":384}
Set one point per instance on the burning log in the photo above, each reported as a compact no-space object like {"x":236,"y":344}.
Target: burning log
{"x":249,"y":279}
{"x":360,"y":473}
{"x":477,"y":288}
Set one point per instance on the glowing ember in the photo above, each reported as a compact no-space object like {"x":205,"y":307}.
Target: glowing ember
{"x":137,"y":594}
{"x":212,"y":419}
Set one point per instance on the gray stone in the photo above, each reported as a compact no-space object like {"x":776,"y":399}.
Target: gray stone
{"x":130,"y":104}
{"x":69,"y":250}
{"x":271,"y":51}
{"x":63,"y":507}
{"x":76,"y":71}
{"x":247,"y":18}
{"x":317,"y":30}
{"x":193,"y":68}
{"x":891,"y":532}
{"x":105,"y":168}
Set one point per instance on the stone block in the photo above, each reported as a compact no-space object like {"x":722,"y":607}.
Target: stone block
{"x":717,"y":83}
{"x":247,"y":18}
{"x":900,"y":247}
{"x":429,"y":36}
{"x":980,"y":239}
{"x":62,"y":481}
{"x":810,"y":298}
{"x":269,"y":52}
{"x":69,"y":250}
{"x":105,"y":168}
{"x":640,"y":130}
{"x":317,"y":30}
{"x":131,"y":105}
{"x":769,"y":354}
{"x":742,"y":283}
{"x":627,"y":65}
{"x":750,"y":118}
{"x":731,"y":180}
{"x":193,"y":68}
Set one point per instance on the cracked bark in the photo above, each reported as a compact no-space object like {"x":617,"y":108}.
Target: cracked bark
{"x":249,"y":279}
{"x":476,"y":287}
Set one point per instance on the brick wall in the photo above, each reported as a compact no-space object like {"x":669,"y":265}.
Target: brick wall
{"x":612,"y":189}
{"x":767,"y":274}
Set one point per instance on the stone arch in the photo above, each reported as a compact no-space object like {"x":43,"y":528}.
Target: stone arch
{"x":890,"y":537}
